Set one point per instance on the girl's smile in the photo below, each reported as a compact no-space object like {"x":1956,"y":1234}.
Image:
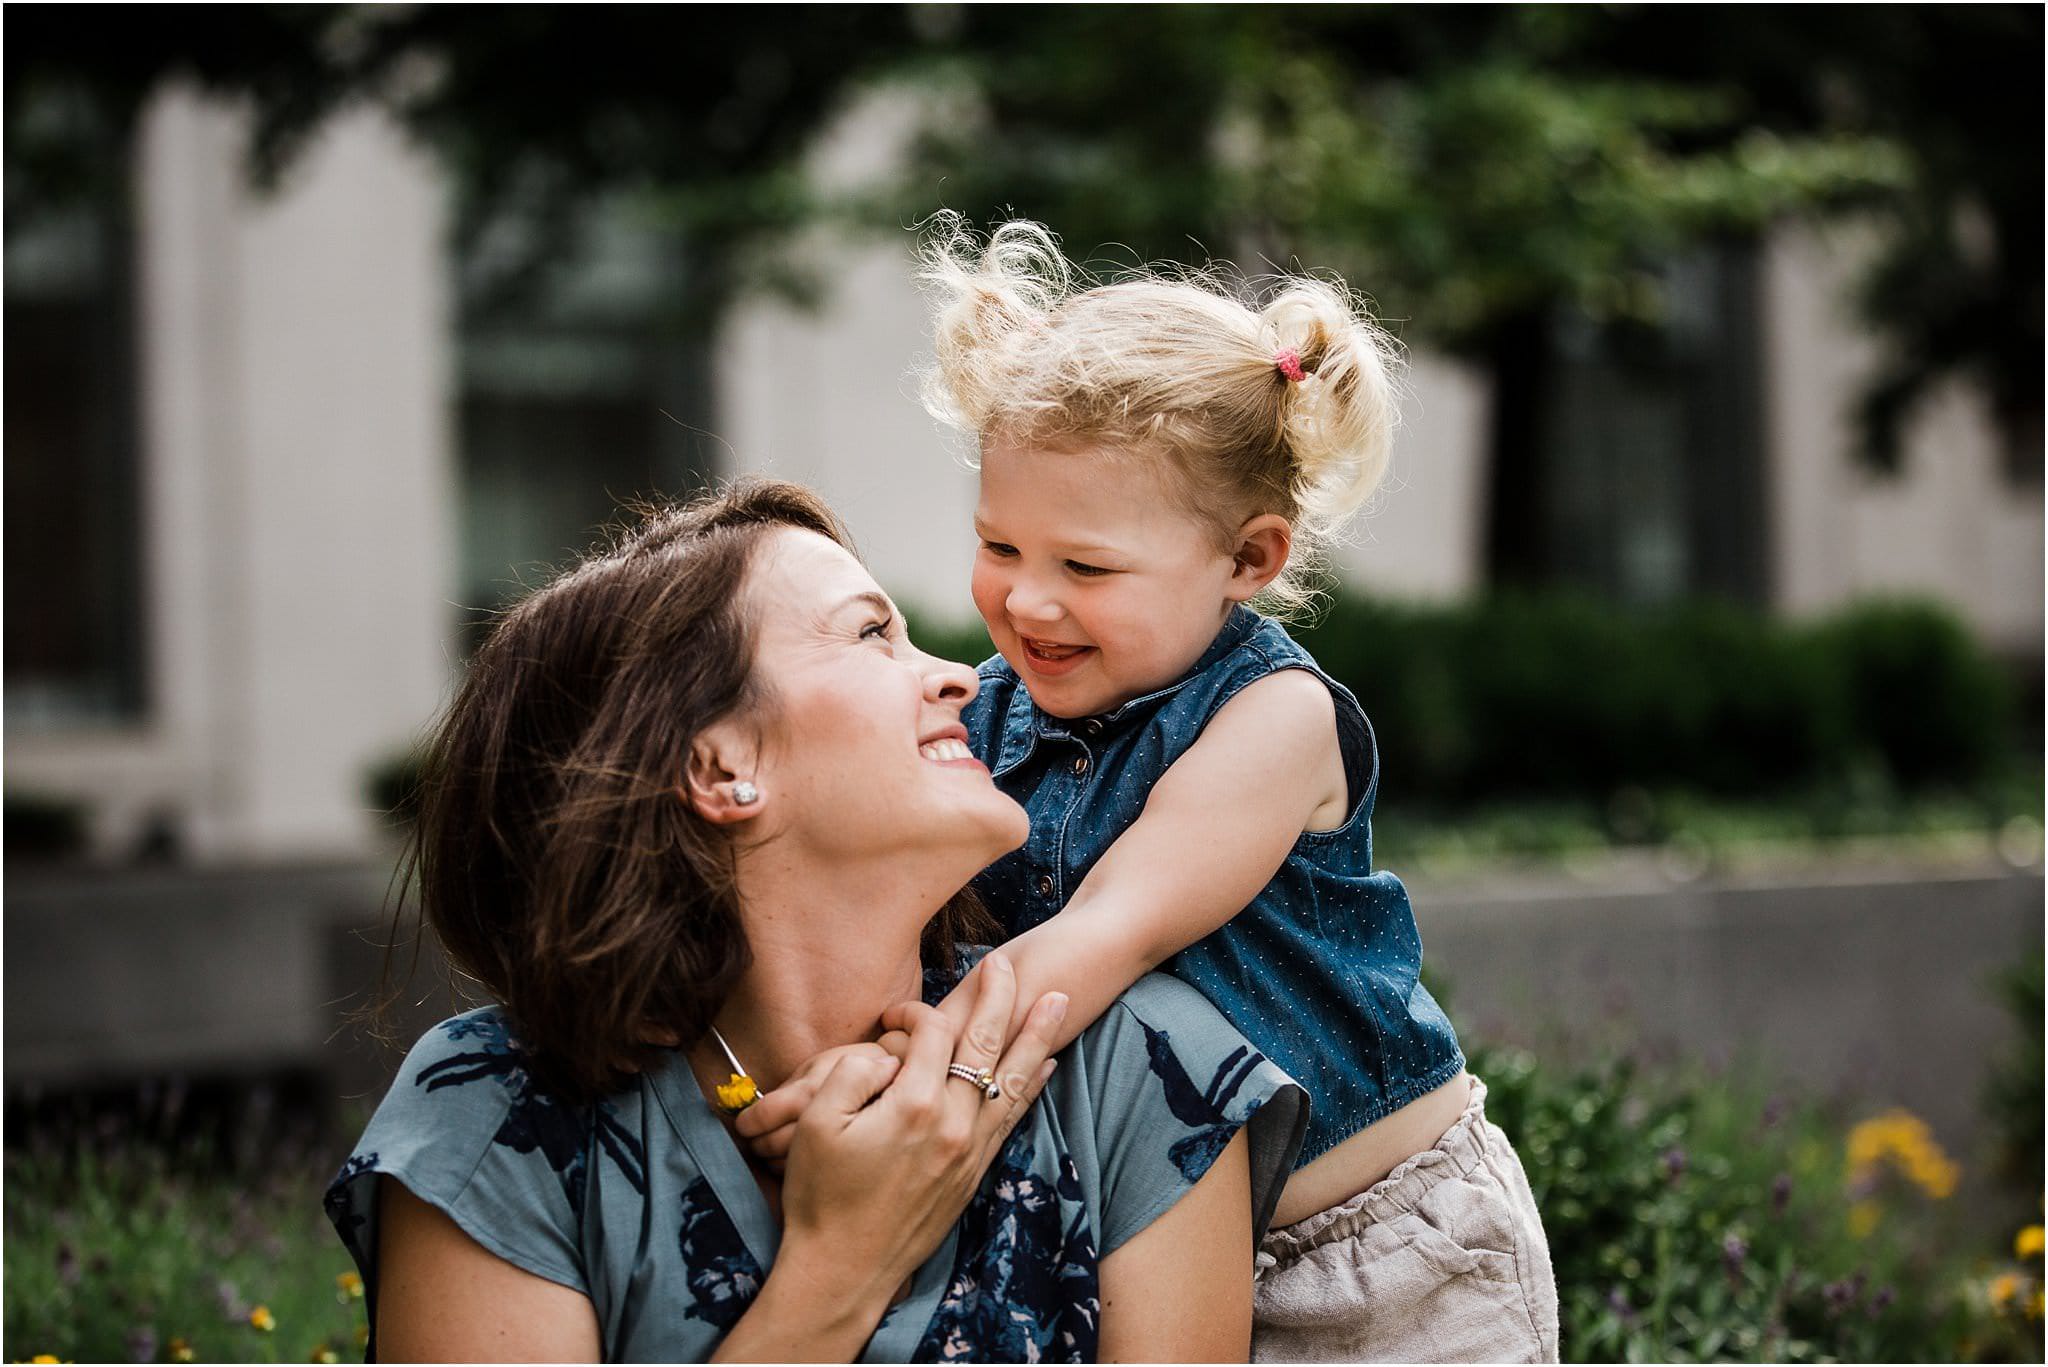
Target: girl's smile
{"x":1050,"y":659}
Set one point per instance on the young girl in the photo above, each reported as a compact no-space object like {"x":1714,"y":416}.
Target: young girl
{"x":1155,"y":456}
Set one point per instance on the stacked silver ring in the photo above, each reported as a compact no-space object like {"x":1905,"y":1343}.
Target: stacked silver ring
{"x":980,"y":1077}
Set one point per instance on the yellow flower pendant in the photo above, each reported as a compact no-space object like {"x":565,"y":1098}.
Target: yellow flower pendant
{"x":735,"y":1096}
{"x":739,"y":1093}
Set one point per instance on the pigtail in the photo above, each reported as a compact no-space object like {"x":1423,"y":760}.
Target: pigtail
{"x":1336,"y":423}
{"x":988,"y":297}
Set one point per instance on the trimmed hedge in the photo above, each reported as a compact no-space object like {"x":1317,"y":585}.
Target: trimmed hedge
{"x":1537,"y":696}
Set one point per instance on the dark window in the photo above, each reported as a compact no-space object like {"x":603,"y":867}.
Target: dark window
{"x":74,"y":630}
{"x":577,"y":393}
{"x":1652,"y":440}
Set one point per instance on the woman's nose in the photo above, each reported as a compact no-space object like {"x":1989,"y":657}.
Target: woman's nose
{"x":948,"y":681}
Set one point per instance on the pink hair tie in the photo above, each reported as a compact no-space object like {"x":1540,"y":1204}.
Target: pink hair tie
{"x":1288,"y":360}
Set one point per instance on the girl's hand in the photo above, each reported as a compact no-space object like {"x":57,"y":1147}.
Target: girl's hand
{"x":883,"y":1160}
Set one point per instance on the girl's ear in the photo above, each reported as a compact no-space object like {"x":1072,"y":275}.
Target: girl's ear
{"x":715,"y":778}
{"x":1263,"y":545}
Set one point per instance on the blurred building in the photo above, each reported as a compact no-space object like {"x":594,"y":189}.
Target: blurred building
{"x":261,"y":472}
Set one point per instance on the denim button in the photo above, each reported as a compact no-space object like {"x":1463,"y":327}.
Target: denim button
{"x":1044,"y":885}
{"x":1091,"y":727}
{"x":1080,"y":765}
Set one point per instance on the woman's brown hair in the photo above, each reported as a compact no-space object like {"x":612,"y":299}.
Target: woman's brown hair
{"x":556,"y":859}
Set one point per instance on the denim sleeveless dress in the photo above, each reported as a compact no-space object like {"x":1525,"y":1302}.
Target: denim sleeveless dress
{"x":1321,"y":970}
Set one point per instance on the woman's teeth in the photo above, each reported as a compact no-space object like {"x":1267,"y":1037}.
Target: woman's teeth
{"x":940,"y":751}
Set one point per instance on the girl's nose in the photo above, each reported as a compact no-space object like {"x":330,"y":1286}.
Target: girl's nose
{"x":1026,"y":602}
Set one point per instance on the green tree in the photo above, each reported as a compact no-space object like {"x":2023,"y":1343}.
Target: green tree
{"x":697,"y":114}
{"x":1478,"y":167}
{"x":1475,"y":166}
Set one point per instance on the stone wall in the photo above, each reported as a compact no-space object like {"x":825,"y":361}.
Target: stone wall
{"x":1870,"y":985}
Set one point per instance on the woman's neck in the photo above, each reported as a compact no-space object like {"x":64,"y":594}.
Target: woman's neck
{"x":829,"y":957}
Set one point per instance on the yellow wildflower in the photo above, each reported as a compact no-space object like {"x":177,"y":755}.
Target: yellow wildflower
{"x":348,"y":1287}
{"x":45,"y":1357}
{"x":181,"y":1351}
{"x":735,"y":1096}
{"x":2029,"y":1243}
{"x":2002,"y":1289}
{"x":1863,"y":1217}
{"x":324,"y":1354}
{"x":1901,"y":1140}
{"x":261,"y":1320}
{"x":2034,"y":1305}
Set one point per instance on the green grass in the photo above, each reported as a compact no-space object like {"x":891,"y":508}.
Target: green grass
{"x":116,"y":1250}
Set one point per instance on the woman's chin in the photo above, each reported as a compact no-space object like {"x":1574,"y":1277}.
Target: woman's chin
{"x":999,"y":827}
{"x":1015,"y":828}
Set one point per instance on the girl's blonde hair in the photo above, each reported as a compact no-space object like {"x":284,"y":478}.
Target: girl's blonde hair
{"x":1170,"y":363}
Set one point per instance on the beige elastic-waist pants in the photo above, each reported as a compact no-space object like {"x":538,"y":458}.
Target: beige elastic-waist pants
{"x":1443,"y":1261}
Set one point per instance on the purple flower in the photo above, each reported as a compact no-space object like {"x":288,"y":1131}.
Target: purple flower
{"x":1674,"y":1163}
{"x":67,"y":1263}
{"x":1781,"y":1193}
{"x":1617,"y":1301}
{"x":1839,"y":1296}
{"x":142,"y":1344}
{"x":230,"y":1298}
{"x":1734,"y":1254}
{"x":1881,"y":1301}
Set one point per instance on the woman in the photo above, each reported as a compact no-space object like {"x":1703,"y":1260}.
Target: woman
{"x":699,"y":809}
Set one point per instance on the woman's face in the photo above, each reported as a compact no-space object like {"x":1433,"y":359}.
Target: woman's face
{"x":863,"y":754}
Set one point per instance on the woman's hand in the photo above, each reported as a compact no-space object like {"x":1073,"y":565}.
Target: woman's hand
{"x":768,"y":1127}
{"x":882,"y":1163}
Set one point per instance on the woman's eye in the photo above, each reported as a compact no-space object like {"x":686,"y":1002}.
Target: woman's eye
{"x":998,"y":548}
{"x":1086,"y":571}
{"x":875,"y":631}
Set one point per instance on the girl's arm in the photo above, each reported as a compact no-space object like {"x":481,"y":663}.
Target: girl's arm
{"x":1180,"y":1290}
{"x":1217,"y":826}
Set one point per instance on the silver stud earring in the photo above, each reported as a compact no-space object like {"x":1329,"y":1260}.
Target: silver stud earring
{"x":745,"y":794}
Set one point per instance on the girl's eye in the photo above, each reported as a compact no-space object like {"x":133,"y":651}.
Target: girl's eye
{"x":1086,"y":571}
{"x":998,"y":548}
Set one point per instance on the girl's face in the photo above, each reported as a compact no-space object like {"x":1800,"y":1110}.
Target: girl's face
{"x":1097,"y":586}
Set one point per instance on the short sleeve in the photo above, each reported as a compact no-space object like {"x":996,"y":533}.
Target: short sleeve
{"x":1170,"y":1083}
{"x":466,"y":1128}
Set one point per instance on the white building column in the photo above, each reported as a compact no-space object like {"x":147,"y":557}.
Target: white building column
{"x":297,"y":491}
{"x":1950,"y":526}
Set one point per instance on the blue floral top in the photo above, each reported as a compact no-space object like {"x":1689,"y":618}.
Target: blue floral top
{"x":1323,"y":970}
{"x":642,"y":1202}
